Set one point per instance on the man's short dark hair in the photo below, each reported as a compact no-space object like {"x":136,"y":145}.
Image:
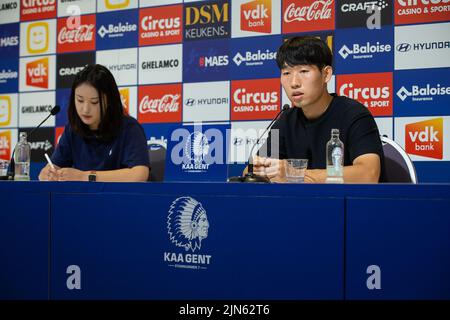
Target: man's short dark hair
{"x":111,"y":109}
{"x":304,"y":51}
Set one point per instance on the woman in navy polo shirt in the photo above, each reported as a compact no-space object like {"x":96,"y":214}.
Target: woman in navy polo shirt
{"x":100,"y":142}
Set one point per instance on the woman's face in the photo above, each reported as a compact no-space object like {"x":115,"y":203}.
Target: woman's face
{"x":87,"y":103}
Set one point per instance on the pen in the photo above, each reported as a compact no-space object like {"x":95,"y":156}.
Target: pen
{"x":49,"y":161}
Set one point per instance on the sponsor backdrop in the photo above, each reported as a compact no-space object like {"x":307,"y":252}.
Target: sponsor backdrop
{"x":179,"y":63}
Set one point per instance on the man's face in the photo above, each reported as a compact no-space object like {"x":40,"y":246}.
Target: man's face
{"x":304,"y":84}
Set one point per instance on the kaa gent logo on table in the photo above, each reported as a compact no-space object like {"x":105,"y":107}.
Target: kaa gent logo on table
{"x":187,"y":226}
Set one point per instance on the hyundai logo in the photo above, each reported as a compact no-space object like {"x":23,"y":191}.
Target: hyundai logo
{"x":238,"y":141}
{"x":403,"y":47}
{"x":189,"y":102}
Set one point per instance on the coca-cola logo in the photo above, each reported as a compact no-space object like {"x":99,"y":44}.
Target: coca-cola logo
{"x":167,"y":103}
{"x":318,"y":10}
{"x":84,"y":33}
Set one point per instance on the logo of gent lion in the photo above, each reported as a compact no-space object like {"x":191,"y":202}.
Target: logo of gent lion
{"x":187,"y":223}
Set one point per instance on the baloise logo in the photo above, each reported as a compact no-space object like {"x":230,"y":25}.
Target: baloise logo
{"x":116,"y":30}
{"x":426,"y":93}
{"x":364,"y":51}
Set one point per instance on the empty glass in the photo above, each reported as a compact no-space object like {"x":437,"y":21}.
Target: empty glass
{"x":295,"y":170}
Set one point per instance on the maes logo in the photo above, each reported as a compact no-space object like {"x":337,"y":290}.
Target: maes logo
{"x":213,"y":61}
{"x":256,"y":16}
{"x":425,"y":138}
{"x":37,"y":73}
{"x":187,"y":226}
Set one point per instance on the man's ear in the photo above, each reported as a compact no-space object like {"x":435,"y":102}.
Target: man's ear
{"x":327,"y":73}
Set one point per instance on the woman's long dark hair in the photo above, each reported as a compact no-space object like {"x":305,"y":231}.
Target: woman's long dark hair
{"x":111,"y":109}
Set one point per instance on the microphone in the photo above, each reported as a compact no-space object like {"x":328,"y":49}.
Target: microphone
{"x":11,"y":167}
{"x":250,"y":176}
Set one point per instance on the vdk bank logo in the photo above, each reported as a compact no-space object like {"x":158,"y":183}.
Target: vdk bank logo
{"x":37,"y":37}
{"x":256,"y":16}
{"x":187,"y":226}
{"x":195,"y":151}
{"x":5,"y":110}
{"x":37,"y":73}
{"x":425,"y":138}
{"x":423,"y":93}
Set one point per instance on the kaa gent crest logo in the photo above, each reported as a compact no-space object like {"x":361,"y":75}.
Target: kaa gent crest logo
{"x":187,"y":225}
{"x":195,"y":152}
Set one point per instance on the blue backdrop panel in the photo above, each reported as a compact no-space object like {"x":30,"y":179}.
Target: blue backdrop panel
{"x":24,"y":232}
{"x":409,"y":239}
{"x":256,"y":248}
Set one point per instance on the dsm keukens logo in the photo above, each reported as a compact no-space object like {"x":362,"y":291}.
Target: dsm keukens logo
{"x":187,"y":226}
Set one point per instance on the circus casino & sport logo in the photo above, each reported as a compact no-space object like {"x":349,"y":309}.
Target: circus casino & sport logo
{"x":187,"y":227}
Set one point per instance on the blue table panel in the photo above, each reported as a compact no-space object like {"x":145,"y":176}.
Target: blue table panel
{"x":24,"y":249}
{"x":259,"y":247}
{"x":409,"y":239}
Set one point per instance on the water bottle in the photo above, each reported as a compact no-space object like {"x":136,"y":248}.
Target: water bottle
{"x":22,"y":154}
{"x":335,"y":158}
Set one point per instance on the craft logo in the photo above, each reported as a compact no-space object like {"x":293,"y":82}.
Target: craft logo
{"x":37,"y":9}
{"x":116,"y":4}
{"x":77,"y":39}
{"x":365,"y":51}
{"x":308,"y":15}
{"x":255,"y":99}
{"x":423,"y":93}
{"x":425,"y":138}
{"x":372,"y":89}
{"x":256,"y":16}
{"x":5,"y":111}
{"x":257,"y":58}
{"x":187,"y":226}
{"x":37,"y":37}
{"x":207,"y":21}
{"x":160,"y":103}
{"x":5,"y":145}
{"x":363,"y":6}
{"x":417,"y":11}
{"x":370,"y":14}
{"x":41,"y":142}
{"x":37,"y":73}
{"x":160,"y":25}
{"x":68,"y":65}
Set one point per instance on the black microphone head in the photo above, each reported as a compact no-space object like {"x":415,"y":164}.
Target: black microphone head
{"x":55,"y":110}
{"x":285,"y":107}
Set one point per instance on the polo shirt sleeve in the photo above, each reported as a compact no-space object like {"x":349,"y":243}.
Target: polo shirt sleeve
{"x":135,"y":147}
{"x":62,"y":156}
{"x":364,"y":137}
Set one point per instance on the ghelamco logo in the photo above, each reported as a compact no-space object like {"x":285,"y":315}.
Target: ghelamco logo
{"x":424,"y":93}
{"x":187,"y":227}
{"x":254,"y":59}
{"x":116,"y":30}
{"x":365,"y":51}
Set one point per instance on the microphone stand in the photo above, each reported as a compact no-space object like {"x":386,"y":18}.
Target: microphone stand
{"x":250,"y":175}
{"x":11,"y":168}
